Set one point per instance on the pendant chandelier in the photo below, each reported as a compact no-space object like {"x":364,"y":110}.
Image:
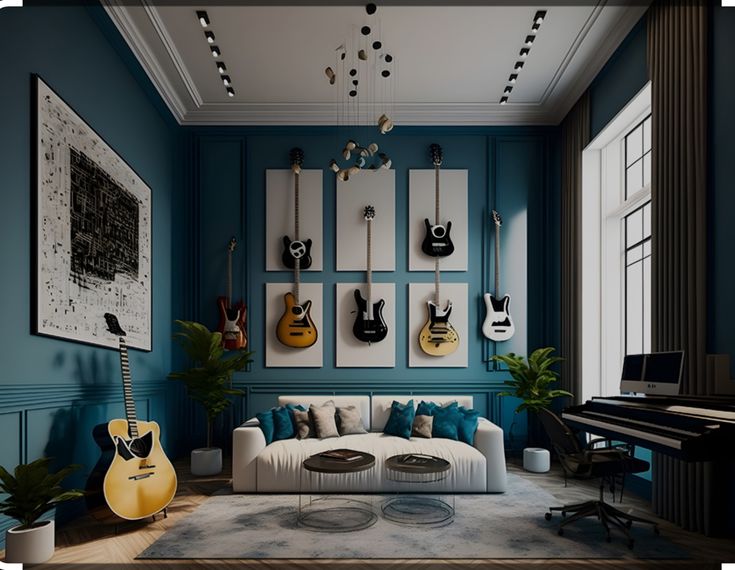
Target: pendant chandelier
{"x":363,"y":77}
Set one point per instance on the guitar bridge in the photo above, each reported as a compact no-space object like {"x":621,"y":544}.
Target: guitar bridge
{"x":141,"y":476}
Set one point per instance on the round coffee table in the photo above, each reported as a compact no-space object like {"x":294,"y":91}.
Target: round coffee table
{"x":333,"y":513}
{"x":418,"y":509}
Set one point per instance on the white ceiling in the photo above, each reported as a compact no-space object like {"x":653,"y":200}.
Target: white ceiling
{"x":451,"y":62}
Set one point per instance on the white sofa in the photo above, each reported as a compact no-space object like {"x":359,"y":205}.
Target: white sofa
{"x":276,"y":468}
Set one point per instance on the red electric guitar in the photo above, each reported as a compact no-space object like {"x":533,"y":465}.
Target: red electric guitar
{"x":231,"y":317}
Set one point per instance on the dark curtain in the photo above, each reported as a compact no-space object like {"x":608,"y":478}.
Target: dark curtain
{"x":575,"y":134}
{"x":677,"y":63}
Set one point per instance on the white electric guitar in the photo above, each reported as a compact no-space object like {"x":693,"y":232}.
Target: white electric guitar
{"x":498,"y":324}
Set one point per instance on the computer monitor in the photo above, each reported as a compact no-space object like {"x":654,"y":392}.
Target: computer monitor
{"x":658,"y":373}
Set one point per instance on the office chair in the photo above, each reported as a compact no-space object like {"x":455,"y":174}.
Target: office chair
{"x":604,"y":463}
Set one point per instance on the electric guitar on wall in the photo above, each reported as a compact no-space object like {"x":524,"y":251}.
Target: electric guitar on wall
{"x":296,"y":328}
{"x":498,"y":324}
{"x":438,"y":337}
{"x":296,"y":250}
{"x":231,"y":316}
{"x":437,"y":242}
{"x":139,"y":480}
{"x":369,"y":325}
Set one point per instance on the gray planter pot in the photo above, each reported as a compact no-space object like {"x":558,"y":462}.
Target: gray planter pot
{"x":30,"y":546}
{"x":206,"y":461}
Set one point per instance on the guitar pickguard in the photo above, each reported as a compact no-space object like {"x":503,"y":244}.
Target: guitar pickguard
{"x":135,"y":448}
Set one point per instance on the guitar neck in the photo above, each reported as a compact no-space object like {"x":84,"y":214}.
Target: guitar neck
{"x":128,"y":389}
{"x":497,"y":260}
{"x":229,"y":278}
{"x":436,"y":282}
{"x":297,"y":261}
{"x":369,"y":266}
{"x":437,"y":219}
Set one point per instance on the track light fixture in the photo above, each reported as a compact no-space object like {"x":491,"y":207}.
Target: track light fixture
{"x":210,"y":37}
{"x":518,"y":65}
{"x":503,"y":100}
{"x":524,"y":52}
{"x":226,"y":80}
{"x":230,"y":92}
{"x":513,"y":77}
{"x":215,"y":51}
{"x":508,"y":89}
{"x":529,"y":40}
{"x":221,"y":67}
{"x":203,"y":18}
{"x":539,"y":17}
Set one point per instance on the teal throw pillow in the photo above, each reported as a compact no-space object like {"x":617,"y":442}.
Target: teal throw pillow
{"x":283,"y":424}
{"x":446,"y":422}
{"x":266,"y":424}
{"x":400,"y":421}
{"x":426,"y":408}
{"x":468,"y":425}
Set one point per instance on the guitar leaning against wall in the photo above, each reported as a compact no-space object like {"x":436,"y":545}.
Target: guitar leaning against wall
{"x":296,"y":329}
{"x":133,"y":474}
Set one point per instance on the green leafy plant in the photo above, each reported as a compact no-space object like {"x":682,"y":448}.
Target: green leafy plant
{"x":33,"y":490}
{"x":209,"y":381}
{"x":531,"y":381}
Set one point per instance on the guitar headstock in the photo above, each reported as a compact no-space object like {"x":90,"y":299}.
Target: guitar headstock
{"x":369,"y":213}
{"x":436,"y":154}
{"x":497,"y":220}
{"x":113,"y":325}
{"x":232,"y":245}
{"x":296,"y":156}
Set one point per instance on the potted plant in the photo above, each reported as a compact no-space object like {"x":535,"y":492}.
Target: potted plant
{"x":208,"y":382}
{"x":531,"y":381}
{"x":33,"y":491}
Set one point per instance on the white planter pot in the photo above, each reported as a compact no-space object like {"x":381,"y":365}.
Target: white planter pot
{"x":536,"y":459}
{"x":30,"y":546}
{"x":206,"y":461}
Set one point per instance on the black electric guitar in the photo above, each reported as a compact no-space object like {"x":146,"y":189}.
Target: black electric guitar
{"x":133,"y":478}
{"x":296,"y":249}
{"x":438,"y":337}
{"x":498,"y":324}
{"x":437,"y":242}
{"x":369,"y":325}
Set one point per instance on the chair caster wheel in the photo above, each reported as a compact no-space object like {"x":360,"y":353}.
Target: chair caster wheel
{"x":560,"y":532}
{"x":631,"y":542}
{"x":547,"y":516}
{"x":628,"y":524}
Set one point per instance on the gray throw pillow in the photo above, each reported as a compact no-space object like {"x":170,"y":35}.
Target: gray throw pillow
{"x":304,"y":427}
{"x":422,"y":426}
{"x":324,"y":419}
{"x":349,"y":421}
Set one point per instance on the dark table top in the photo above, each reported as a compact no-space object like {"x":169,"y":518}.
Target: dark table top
{"x":320,"y":464}
{"x":417,"y":463}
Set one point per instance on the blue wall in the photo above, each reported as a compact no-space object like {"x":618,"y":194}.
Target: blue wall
{"x":511,"y":169}
{"x":53,"y":392}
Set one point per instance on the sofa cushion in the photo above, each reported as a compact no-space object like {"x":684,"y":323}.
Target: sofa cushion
{"x":422,"y":426}
{"x":324,"y":419}
{"x":468,"y":425}
{"x":267,"y":425}
{"x":446,"y":422}
{"x":381,"y":405}
{"x":400,"y":420}
{"x":304,"y":427}
{"x":279,"y":466}
{"x":349,"y":420}
{"x":283,"y":425}
{"x":362,"y":403}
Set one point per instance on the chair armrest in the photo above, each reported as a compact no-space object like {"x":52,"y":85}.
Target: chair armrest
{"x":489,"y":442}
{"x":247,"y":443}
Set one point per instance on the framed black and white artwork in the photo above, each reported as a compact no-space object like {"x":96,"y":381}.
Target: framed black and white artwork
{"x":92,"y":231}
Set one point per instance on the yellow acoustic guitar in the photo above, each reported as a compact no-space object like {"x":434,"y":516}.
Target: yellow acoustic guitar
{"x":296,"y":328}
{"x":438,"y":337}
{"x":139,"y":480}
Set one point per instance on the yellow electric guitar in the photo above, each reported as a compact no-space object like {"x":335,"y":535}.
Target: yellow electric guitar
{"x":438,"y":337}
{"x":296,"y":328}
{"x":139,"y":480}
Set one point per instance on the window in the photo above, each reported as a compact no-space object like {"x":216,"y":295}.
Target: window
{"x":616,"y":247}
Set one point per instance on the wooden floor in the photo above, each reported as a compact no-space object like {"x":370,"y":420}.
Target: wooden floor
{"x":85,"y":543}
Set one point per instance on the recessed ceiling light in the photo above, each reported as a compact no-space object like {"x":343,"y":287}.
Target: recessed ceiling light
{"x":203,"y":18}
{"x":512,"y":78}
{"x":209,"y":36}
{"x":539,"y":17}
{"x":226,"y":80}
{"x":230,"y":92}
{"x":215,"y":51}
{"x":524,"y":52}
{"x":529,"y":40}
{"x":221,"y":67}
{"x":508,"y":89}
{"x":503,"y":100}
{"x":518,"y":65}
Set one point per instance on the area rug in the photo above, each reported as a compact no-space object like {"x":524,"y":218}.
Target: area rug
{"x":509,"y":525}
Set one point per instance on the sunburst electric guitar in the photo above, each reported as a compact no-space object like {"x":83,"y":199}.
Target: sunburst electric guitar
{"x":437,"y":242}
{"x":231,"y":315}
{"x":139,"y":480}
{"x":369,"y":325}
{"x":296,"y":328}
{"x":498,"y":324}
{"x":438,"y":337}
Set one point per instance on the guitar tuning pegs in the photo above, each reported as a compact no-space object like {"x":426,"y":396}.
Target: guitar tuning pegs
{"x":296,"y":168}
